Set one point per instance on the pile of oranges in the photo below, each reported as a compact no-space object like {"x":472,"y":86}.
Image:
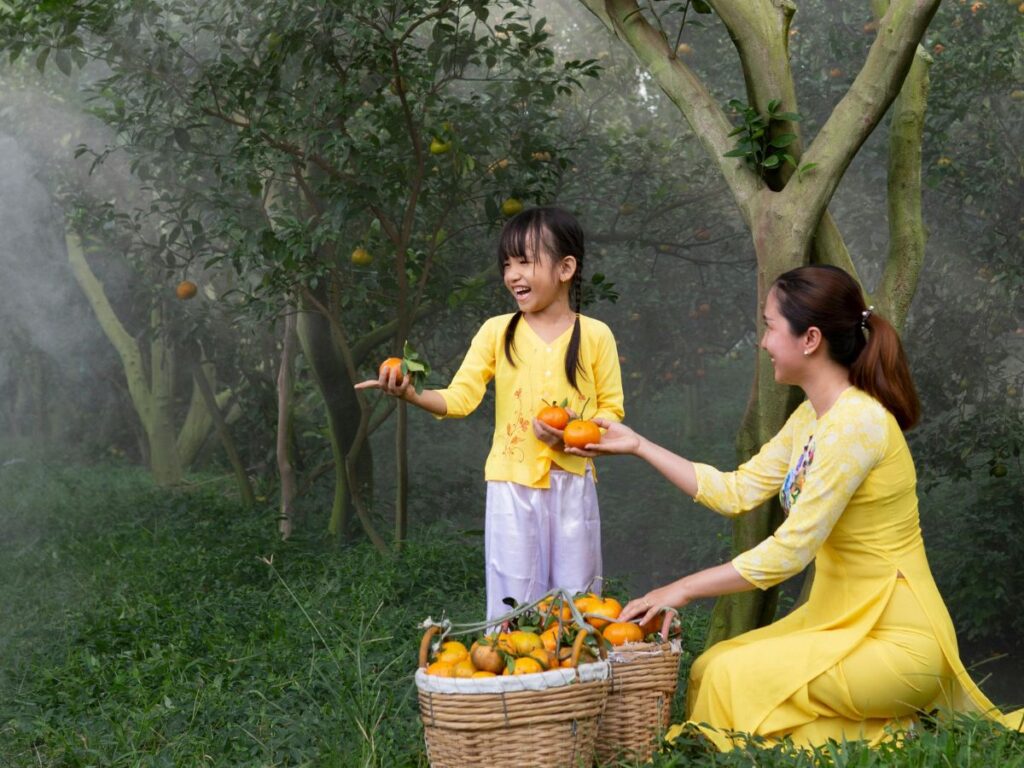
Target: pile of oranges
{"x":541,"y":639}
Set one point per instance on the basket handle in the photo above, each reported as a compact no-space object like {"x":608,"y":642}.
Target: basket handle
{"x":425,"y":644}
{"x":577,"y":646}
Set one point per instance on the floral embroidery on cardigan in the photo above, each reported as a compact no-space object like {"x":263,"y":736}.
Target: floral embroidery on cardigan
{"x":515,"y":430}
{"x":797,"y":476}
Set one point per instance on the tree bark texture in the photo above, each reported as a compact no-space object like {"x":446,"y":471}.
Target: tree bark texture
{"x":285,"y":465}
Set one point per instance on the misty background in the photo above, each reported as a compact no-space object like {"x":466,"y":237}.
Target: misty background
{"x":661,"y":228}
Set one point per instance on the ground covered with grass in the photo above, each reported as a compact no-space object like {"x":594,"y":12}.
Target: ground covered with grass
{"x":143,"y":627}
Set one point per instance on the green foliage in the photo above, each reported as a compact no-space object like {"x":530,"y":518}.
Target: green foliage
{"x":970,"y":741}
{"x":762,"y":147}
{"x":413,"y":364}
{"x":179,"y":639}
{"x":187,"y":634}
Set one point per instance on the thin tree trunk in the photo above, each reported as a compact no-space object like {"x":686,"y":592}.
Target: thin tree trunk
{"x":285,"y":467}
{"x":224,"y":433}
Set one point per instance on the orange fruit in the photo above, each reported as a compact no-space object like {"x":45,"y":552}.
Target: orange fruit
{"x":486,"y":658}
{"x":511,"y":206}
{"x":527,"y":665}
{"x":483,"y":673}
{"x":555,"y":416}
{"x":540,"y":655}
{"x":591,"y":603}
{"x":453,"y":652}
{"x":523,"y":642}
{"x":463,"y":668}
{"x":579,"y":433}
{"x":612,"y":607}
{"x":621,"y":632}
{"x":361,"y":257}
{"x":438,"y":147}
{"x":553,"y":615}
{"x":441,"y":669}
{"x":186,"y":290}
{"x":549,"y":638}
{"x":392,"y":363}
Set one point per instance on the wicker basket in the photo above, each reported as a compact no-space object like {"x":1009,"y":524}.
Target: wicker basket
{"x":644,"y":678}
{"x":548,"y":719}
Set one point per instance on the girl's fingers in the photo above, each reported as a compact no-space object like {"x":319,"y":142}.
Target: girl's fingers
{"x":370,"y":384}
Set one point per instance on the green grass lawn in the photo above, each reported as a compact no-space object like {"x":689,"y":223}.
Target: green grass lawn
{"x":143,"y":627}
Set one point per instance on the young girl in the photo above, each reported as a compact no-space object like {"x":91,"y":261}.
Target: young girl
{"x":542,"y":528}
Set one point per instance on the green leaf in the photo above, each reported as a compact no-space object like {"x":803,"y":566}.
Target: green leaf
{"x":700,"y":6}
{"x":41,"y":59}
{"x":63,"y":61}
{"x":772,"y":161}
{"x":736,"y":153}
{"x":182,"y":139}
{"x":782,"y":140}
{"x":792,"y":117}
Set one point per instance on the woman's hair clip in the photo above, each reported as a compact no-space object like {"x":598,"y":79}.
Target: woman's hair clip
{"x":864,"y":317}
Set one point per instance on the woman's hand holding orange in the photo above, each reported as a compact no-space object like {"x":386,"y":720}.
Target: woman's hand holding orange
{"x":617,"y":439}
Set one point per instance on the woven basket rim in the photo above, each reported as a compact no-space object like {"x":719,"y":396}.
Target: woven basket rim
{"x":537,"y":681}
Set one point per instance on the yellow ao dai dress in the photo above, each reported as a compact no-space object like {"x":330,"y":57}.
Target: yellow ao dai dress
{"x":873,"y":646}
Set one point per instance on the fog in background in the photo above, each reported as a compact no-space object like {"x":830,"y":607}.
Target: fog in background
{"x":52,"y":346}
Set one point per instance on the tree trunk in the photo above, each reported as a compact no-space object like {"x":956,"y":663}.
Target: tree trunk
{"x":150,"y":395}
{"x":285,"y":464}
{"x":223,"y":432}
{"x":337,"y":390}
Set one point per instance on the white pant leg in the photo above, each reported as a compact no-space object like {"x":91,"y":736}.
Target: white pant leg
{"x":516,"y":545}
{"x":575,"y":533}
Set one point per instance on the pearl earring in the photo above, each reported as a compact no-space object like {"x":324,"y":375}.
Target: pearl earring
{"x":807,"y":352}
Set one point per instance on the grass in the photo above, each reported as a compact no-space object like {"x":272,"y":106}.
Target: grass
{"x":148,"y":628}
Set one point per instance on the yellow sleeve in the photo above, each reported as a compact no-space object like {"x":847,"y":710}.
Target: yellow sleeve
{"x":844,"y":452}
{"x":757,"y":479}
{"x":469,"y":384}
{"x":608,"y":379}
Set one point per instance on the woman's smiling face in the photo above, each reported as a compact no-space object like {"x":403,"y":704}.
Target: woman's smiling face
{"x":785,"y":349}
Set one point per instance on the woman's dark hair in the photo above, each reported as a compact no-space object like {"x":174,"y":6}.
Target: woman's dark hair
{"x":561,"y":235}
{"x":829,"y":299}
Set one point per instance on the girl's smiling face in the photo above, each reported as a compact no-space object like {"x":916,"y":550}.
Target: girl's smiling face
{"x":535,"y":279}
{"x":784,"y":348}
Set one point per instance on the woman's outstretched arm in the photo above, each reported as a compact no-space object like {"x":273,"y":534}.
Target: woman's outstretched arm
{"x":620,"y":439}
{"x":711,"y":582}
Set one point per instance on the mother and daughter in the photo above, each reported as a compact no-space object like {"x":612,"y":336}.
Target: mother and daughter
{"x":873,"y":647}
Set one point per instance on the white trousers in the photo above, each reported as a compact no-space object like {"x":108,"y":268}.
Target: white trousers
{"x":536,"y":539}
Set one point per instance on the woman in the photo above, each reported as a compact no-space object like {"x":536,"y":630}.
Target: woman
{"x":873,"y":646}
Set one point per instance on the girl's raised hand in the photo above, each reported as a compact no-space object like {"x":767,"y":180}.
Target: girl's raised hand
{"x":388,"y":383}
{"x":617,"y":439}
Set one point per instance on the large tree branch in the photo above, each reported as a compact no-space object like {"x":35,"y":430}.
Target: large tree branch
{"x":124,"y":344}
{"x":860,"y":110}
{"x":683,"y":87}
{"x":906,"y":225}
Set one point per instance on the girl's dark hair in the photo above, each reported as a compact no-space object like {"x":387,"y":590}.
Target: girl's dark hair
{"x":561,"y":235}
{"x":829,"y":299}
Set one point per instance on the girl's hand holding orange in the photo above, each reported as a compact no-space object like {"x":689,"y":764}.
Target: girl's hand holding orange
{"x":548,"y":434}
{"x":617,"y":439}
{"x":390,"y":379}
